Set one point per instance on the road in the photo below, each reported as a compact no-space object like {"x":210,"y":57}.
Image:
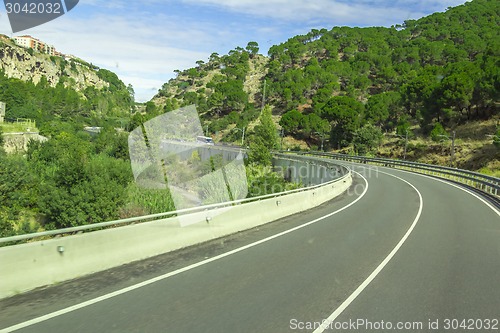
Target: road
{"x":396,"y":249}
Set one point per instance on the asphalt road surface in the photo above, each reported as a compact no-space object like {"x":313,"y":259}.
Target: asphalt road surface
{"x":398,"y":252}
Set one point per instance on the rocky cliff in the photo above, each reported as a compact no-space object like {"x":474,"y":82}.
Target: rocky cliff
{"x":28,"y":65}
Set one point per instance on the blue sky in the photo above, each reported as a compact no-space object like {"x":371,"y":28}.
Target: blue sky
{"x":145,"y":41}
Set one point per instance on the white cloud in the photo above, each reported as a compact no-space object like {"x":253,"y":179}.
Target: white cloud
{"x":142,"y":84}
{"x":287,"y":10}
{"x":339,"y":12}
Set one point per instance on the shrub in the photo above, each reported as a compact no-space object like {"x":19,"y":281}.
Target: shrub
{"x":438,"y":132}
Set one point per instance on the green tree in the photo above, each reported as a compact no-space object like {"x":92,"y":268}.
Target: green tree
{"x":91,"y":195}
{"x":377,"y":108}
{"x":76,"y":185}
{"x":150,"y":108}
{"x":2,"y":139}
{"x":18,"y":184}
{"x":264,"y":139}
{"x":192,"y":74}
{"x":319,"y":99}
{"x":367,"y":139}
{"x":258,"y":153}
{"x":131,"y":92}
{"x":315,"y":125}
{"x":266,"y":129}
{"x":216,"y":101}
{"x":345,"y":114}
{"x":403,"y":127}
{"x":291,"y":121}
{"x":252,"y":48}
{"x":456,"y":89}
{"x":111,"y":143}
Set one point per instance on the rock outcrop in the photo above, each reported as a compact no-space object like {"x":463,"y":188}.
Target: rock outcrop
{"x":28,"y":65}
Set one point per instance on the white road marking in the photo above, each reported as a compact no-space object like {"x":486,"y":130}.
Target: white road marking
{"x":454,"y":185}
{"x":327,"y":322}
{"x":176,"y":272}
{"x":445,"y":181}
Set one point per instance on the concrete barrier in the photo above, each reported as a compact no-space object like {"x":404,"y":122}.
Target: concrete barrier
{"x":31,"y":265}
{"x":18,"y":142}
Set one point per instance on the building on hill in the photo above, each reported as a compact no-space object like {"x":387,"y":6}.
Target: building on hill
{"x":36,"y":44}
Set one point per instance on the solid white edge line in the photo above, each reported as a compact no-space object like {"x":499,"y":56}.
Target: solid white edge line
{"x":176,"y":272}
{"x":461,"y":187}
{"x":327,"y":322}
{"x":465,"y":189}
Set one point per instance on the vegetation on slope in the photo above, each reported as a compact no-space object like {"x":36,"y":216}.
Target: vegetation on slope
{"x":348,"y":86}
{"x":359,"y":90}
{"x":74,"y":178}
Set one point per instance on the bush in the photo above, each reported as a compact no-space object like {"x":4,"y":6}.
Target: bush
{"x":367,"y":138}
{"x":233,"y":117}
{"x":438,"y":132}
{"x":147,"y":201}
{"x":218,"y":125}
{"x":259,"y":153}
{"x":403,"y":127}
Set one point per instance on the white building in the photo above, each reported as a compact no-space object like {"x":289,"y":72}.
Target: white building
{"x":36,"y":44}
{"x":24,"y":41}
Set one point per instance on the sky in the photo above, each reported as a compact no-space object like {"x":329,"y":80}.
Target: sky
{"x":143,"y":42}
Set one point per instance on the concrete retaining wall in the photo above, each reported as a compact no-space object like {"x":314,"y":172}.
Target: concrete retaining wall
{"x":31,"y":265}
{"x":18,"y":142}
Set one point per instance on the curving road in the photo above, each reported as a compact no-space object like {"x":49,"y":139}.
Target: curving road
{"x":399,"y":251}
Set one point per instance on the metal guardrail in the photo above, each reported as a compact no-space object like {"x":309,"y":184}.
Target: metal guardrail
{"x":345,"y":172}
{"x":487,"y":184}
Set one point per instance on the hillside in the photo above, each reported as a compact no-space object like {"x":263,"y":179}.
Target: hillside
{"x":48,"y":89}
{"x":65,"y":176}
{"x":356,"y":88}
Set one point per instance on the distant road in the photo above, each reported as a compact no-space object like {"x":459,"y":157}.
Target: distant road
{"x":404,"y":249}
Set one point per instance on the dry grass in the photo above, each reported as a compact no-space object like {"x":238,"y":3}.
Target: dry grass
{"x":477,"y":131}
{"x":290,"y":142}
{"x":252,"y":84}
{"x":473,"y":149}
